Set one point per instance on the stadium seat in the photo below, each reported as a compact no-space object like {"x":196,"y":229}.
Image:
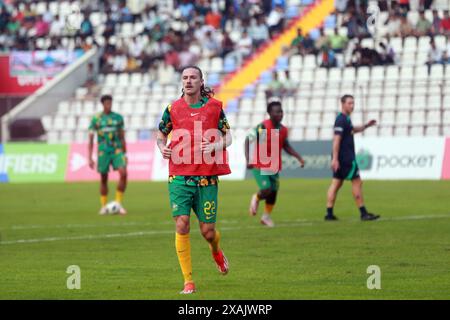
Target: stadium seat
{"x":419,"y":102}
{"x":410,"y":44}
{"x":326,"y":133}
{"x":374,"y":103}
{"x":433,"y":102}
{"x":404,"y":102}
{"x":295,"y":62}
{"x":66,"y":136}
{"x":389,"y":102}
{"x":132,"y":136}
{"x":416,"y":131}
{"x":307,"y":75}
{"x":316,"y":104}
{"x":401,"y":131}
{"x":71,"y":123}
{"x":53,"y":137}
{"x":387,"y":118}
{"x":437,"y":72}
{"x":407,"y":73}
{"x":349,"y":74}
{"x":246,"y":105}
{"x":433,"y":117}
{"x":363,"y":74}
{"x":418,"y":117}
{"x":402,"y":118}
{"x":335,"y":75}
{"x":229,"y":65}
{"x":216,"y":64}
{"x":432,"y":131}
{"x":309,"y":61}
{"x":396,"y":44}
{"x":314,"y":119}
{"x":296,"y":134}
{"x":377,"y":73}
{"x":311,"y":134}
{"x":392,"y":73}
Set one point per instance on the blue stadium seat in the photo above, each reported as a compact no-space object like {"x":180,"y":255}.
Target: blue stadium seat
{"x":213,"y":79}
{"x":314,"y":34}
{"x":330,"y":22}
{"x":292,"y":12}
{"x":229,"y":65}
{"x":282,"y":63}
{"x":307,"y":2}
{"x":249,"y":92}
{"x":265,"y":77}
{"x":232,"y":106}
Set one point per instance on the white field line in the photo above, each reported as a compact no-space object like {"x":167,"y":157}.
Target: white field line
{"x":283,"y":224}
{"x":136,"y":223}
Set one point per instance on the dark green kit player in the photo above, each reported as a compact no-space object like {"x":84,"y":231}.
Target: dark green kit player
{"x":111,"y":151}
{"x":343,"y":160}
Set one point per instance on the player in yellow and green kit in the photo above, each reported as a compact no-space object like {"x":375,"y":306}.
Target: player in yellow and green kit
{"x":111,"y":151}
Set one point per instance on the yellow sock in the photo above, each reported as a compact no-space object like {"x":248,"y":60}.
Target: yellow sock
{"x":183,"y":246}
{"x":268,"y":208}
{"x":119,"y":196}
{"x":103,"y":200}
{"x":214,"y":245}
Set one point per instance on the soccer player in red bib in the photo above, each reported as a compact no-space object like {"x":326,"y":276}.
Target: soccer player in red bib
{"x":197,"y":156}
{"x":266,"y":161}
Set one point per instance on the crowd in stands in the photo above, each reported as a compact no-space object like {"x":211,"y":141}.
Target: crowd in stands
{"x":230,"y":29}
{"x":355,"y":17}
{"x":191,"y":31}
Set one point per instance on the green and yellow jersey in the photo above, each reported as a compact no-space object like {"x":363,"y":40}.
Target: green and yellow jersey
{"x":108,"y":128}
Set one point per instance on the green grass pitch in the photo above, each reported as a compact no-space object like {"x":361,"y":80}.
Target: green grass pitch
{"x":47,"y":227}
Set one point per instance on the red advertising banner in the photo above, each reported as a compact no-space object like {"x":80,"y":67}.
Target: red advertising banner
{"x":140,"y":162}
{"x":446,"y":162}
{"x":22,"y":85}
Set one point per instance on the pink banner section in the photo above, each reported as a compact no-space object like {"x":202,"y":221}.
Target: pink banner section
{"x":446,"y":163}
{"x":140,"y":162}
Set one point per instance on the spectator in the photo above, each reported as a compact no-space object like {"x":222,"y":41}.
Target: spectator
{"x":436,"y":23}
{"x":227,"y":45}
{"x":125,"y":13}
{"x":186,"y":9}
{"x":387,"y":54}
{"x":110,"y":26}
{"x":296,"y":44}
{"x":423,"y":26}
{"x":243,"y":48}
{"x":434,"y":55}
{"x":290,"y":86}
{"x":86,"y":28}
{"x":41,"y":28}
{"x":4,"y":18}
{"x":328,"y":57}
{"x":211,"y":46}
{"x":213,"y":18}
{"x":187,"y":57}
{"x":120,"y":61}
{"x":322,"y":41}
{"x":445,"y":23}
{"x":393,"y":25}
{"x":275,"y":88}
{"x":337,"y":41}
{"x":57,"y":26}
{"x":135,"y":48}
{"x":406,"y":28}
{"x":92,"y":80}
{"x":259,"y":32}
{"x":446,"y":54}
{"x":404,"y":5}
{"x":172,"y":59}
{"x":275,"y":20}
